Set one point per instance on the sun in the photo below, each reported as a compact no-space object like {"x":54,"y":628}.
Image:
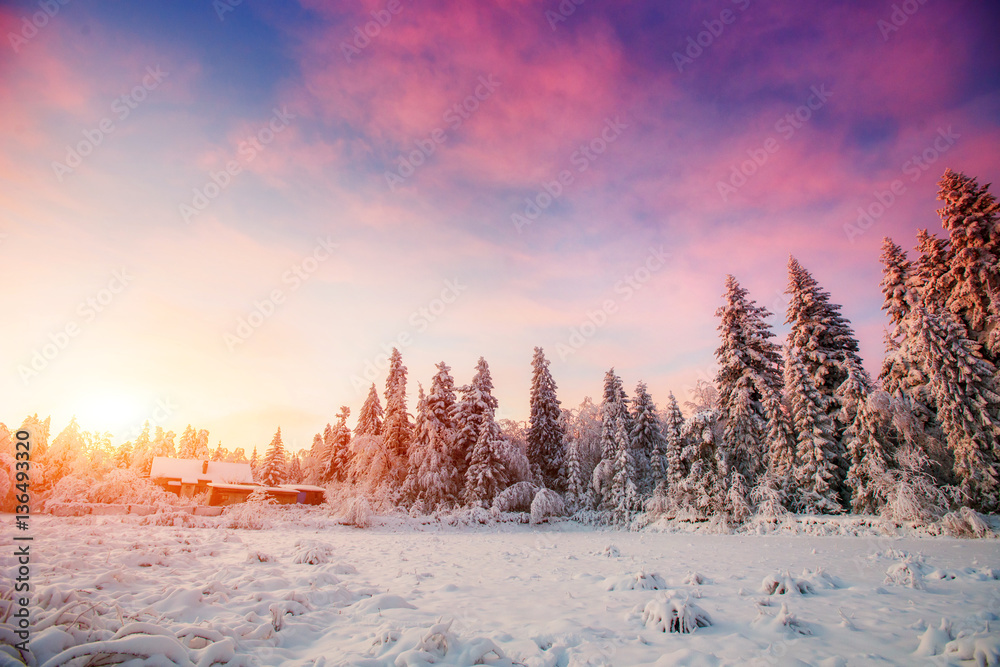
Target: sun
{"x":114,"y":411}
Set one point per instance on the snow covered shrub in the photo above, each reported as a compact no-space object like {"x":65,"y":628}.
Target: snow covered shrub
{"x":254,"y":514}
{"x":639,"y":581}
{"x":126,"y":487}
{"x":785,"y":584}
{"x":359,"y":513}
{"x":672,"y":614}
{"x":965,"y":523}
{"x":256,"y":556}
{"x":787,"y":621}
{"x":312,"y":553}
{"x":694,"y":579}
{"x":908,"y":573}
{"x":69,"y":489}
{"x":8,"y":477}
{"x":547,"y":503}
{"x":515,"y":498}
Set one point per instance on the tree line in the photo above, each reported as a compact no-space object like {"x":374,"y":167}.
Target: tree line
{"x":800,"y":427}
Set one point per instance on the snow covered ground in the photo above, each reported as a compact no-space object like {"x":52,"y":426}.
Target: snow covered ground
{"x":310,"y":592}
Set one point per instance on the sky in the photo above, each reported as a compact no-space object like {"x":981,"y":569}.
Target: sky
{"x":226,"y":213}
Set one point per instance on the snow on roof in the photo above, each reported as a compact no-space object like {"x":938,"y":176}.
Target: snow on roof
{"x":218,"y":471}
{"x":233,"y":487}
{"x":303,"y":487}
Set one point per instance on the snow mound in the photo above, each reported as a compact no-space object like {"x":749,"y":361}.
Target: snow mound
{"x":546,"y":503}
{"x":983,"y":648}
{"x":611,"y":551}
{"x":785,"y":584}
{"x":694,"y":579}
{"x":674,"y":614}
{"x":257,"y":556}
{"x":639,"y":581}
{"x":820,"y":579}
{"x":784,"y":621}
{"x":934,"y":640}
{"x":379,"y":603}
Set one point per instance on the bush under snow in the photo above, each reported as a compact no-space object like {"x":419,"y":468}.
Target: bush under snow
{"x":515,"y":498}
{"x":672,"y":614}
{"x":547,"y":503}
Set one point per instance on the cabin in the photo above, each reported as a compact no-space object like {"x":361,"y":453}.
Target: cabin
{"x":190,"y":477}
{"x":226,"y":483}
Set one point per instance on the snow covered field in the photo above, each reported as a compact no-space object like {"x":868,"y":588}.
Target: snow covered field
{"x":309,"y":592}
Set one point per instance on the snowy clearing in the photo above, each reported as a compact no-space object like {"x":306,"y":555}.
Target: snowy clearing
{"x":311,"y":592}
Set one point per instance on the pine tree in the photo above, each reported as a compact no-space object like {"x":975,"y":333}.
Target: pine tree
{"x":928,"y":277}
{"x":370,"y":417}
{"x":163,"y":443}
{"x":576,"y":483}
{"x":747,"y":380}
{"x":396,"y":428}
{"x":271,"y":471}
{"x":646,"y":440}
{"x":487,"y":472}
{"x":896,"y":269}
{"x":672,"y":425}
{"x":614,"y":408}
{"x":336,"y":454}
{"x":187,"y":448}
{"x":865,"y":443}
{"x":255,"y":465}
{"x":545,"y":435}
{"x":703,"y":489}
{"x":962,"y":387}
{"x":624,"y":498}
{"x":901,"y":376}
{"x":820,"y":335}
{"x":970,"y":215}
{"x":825,"y":342}
{"x":432,"y":476}
{"x":63,"y":455}
{"x":295,"y":474}
{"x":142,"y":452}
{"x":475,"y":409}
{"x":816,"y":474}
